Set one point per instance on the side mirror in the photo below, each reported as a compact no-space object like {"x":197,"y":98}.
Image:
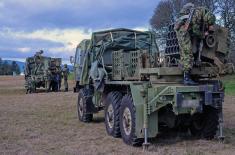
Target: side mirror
{"x":72,"y":60}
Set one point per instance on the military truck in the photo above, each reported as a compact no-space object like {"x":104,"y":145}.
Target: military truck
{"x":39,"y":72}
{"x":141,"y":90}
{"x":77,"y":61}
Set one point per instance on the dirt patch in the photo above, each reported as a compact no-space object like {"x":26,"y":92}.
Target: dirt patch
{"x":46,"y":123}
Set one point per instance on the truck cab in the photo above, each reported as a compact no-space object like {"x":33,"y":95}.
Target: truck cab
{"x":78,"y":61}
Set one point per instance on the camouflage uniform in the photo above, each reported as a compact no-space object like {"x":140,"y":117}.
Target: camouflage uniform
{"x":65,"y":72}
{"x":39,"y":53}
{"x":201,"y":19}
{"x":49,"y":79}
{"x":59,"y":78}
{"x":53,"y":82}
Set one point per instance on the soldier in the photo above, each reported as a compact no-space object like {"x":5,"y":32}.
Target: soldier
{"x":65,"y":72}
{"x":59,"y":78}
{"x":53,"y":84}
{"x":192,"y":23}
{"x":48,"y":82}
{"x":39,"y":53}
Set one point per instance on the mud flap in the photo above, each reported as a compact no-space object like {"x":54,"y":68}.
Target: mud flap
{"x":90,"y":108}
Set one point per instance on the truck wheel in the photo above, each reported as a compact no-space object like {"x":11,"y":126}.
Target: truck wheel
{"x":77,"y":87}
{"x":112,"y":110}
{"x":127,"y":122}
{"x":83,"y":99}
{"x":206,"y":124}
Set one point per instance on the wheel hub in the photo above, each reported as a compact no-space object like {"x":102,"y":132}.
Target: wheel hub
{"x":127,"y":121}
{"x":110,"y":116}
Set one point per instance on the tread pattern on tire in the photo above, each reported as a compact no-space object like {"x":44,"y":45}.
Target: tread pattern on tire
{"x":114,"y":98}
{"x":132,"y":139}
{"x":87,"y":99}
{"x":212,"y":122}
{"x":210,"y":118}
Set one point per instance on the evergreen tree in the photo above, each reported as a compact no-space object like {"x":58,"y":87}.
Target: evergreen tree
{"x":15,"y":68}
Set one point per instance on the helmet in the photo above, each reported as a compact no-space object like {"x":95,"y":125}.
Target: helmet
{"x":186,"y":9}
{"x":39,"y":53}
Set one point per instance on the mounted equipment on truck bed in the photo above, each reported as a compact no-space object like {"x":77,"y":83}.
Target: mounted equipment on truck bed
{"x":141,"y":90}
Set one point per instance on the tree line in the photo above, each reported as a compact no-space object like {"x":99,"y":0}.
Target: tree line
{"x":8,"y":69}
{"x":167,"y":11}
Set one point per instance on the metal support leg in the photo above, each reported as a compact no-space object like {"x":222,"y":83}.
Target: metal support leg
{"x":145,"y":95}
{"x":221,"y":121}
{"x":146,"y":143}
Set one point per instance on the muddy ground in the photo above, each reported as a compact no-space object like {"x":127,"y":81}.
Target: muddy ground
{"x":46,"y":123}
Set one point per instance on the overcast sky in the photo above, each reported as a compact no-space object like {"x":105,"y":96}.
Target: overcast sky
{"x":57,"y":26}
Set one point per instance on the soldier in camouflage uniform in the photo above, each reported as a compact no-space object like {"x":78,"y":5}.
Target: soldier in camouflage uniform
{"x":192,"y":22}
{"x":53,"y":83}
{"x":59,"y":79}
{"x":49,"y":80}
{"x":39,"y":53}
{"x":65,"y":72}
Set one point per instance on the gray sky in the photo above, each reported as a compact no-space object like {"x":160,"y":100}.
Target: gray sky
{"x":57,"y":26}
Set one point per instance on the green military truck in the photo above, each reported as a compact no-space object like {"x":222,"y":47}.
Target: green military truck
{"x":77,"y":61}
{"x":40,"y":71}
{"x":141,"y":90}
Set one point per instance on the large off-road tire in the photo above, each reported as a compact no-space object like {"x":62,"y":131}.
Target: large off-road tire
{"x":205,"y":125}
{"x":112,"y":111}
{"x":84,"y":98}
{"x":77,"y":87}
{"x":127,"y":122}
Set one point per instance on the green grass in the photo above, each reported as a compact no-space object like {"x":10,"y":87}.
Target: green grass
{"x":229,"y":83}
{"x":71,"y":76}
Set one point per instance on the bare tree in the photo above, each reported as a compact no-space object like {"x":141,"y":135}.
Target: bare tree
{"x":227,"y":19}
{"x":167,"y":10}
{"x":163,"y":15}
{"x":212,"y":5}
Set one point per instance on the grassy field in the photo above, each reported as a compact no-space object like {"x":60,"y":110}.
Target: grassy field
{"x":71,"y":76}
{"x":47,"y":123}
{"x":229,"y":83}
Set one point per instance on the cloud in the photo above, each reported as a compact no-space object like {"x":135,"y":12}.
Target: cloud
{"x":62,"y":42}
{"x":1,"y":4}
{"x":55,"y":42}
{"x":58,"y":26}
{"x":31,"y":14}
{"x":68,"y":37}
{"x":24,"y":49}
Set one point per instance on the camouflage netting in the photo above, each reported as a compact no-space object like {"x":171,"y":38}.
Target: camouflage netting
{"x":104,"y":42}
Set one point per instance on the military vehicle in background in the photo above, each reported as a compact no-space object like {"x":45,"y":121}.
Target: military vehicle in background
{"x":141,"y":90}
{"x":41,"y":71}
